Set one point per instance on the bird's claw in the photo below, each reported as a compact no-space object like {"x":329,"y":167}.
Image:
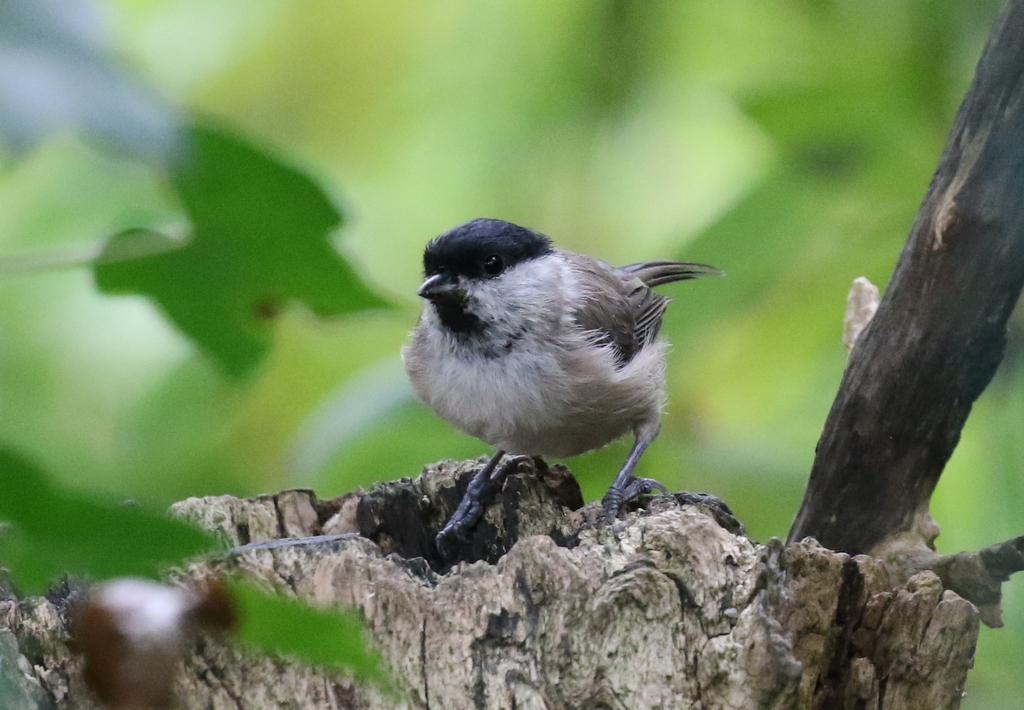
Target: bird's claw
{"x":716,"y":507}
{"x":484,"y":487}
{"x":451,"y":534}
{"x":643,"y":486}
{"x":466,"y":516}
{"x":617,"y":497}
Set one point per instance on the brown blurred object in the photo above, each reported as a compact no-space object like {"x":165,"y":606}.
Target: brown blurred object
{"x":133,"y":634}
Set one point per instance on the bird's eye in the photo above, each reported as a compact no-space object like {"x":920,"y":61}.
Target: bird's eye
{"x":494,"y":265}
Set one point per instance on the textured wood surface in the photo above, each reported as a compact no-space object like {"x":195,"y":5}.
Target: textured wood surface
{"x":670,"y":607}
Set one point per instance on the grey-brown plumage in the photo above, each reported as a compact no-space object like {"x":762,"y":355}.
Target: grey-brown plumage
{"x":540,"y":351}
{"x":628,"y":313}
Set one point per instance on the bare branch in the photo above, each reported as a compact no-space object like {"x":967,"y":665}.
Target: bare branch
{"x":940,"y":329}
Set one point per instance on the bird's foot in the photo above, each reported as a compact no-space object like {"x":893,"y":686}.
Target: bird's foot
{"x":449,"y":537}
{"x":616,"y":497}
{"x":480,"y":493}
{"x":704,"y":499}
{"x":456,"y":529}
{"x":715,"y":507}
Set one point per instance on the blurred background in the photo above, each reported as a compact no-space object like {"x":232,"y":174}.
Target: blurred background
{"x":788,"y":142}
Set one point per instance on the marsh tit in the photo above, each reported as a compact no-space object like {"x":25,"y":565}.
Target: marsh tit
{"x":539,"y":351}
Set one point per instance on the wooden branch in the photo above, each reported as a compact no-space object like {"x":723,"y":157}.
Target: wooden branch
{"x":977,"y":576}
{"x":672,"y":607}
{"x":940,"y":329}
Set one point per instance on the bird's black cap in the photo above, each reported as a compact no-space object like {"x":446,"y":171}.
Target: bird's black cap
{"x":467,"y":249}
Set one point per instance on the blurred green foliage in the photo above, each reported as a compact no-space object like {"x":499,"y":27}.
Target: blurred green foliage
{"x":50,"y":533}
{"x":788,"y":142}
{"x":55,"y":71}
{"x":287,"y":627}
{"x":46,"y":534}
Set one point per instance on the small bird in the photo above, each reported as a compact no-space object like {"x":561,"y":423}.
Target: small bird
{"x":539,"y":351}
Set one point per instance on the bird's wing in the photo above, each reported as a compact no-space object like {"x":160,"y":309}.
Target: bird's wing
{"x":650,"y":306}
{"x":621,"y":308}
{"x":617,"y":307}
{"x":656,"y":273}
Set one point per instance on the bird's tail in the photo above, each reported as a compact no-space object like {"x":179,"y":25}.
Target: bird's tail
{"x":656,"y":273}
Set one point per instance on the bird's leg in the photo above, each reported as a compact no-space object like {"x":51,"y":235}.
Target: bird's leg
{"x":481,"y":490}
{"x":626,"y":487}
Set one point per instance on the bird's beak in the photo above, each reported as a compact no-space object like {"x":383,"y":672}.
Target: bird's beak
{"x":441,"y":287}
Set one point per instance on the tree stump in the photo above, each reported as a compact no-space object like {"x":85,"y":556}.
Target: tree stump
{"x":671,"y":606}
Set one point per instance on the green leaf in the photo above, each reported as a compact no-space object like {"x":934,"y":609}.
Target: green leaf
{"x":54,"y":533}
{"x":276,"y":624}
{"x":259,"y":240}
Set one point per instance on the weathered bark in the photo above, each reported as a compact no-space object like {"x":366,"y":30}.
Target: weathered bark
{"x":939,"y":332}
{"x":672,"y":607}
